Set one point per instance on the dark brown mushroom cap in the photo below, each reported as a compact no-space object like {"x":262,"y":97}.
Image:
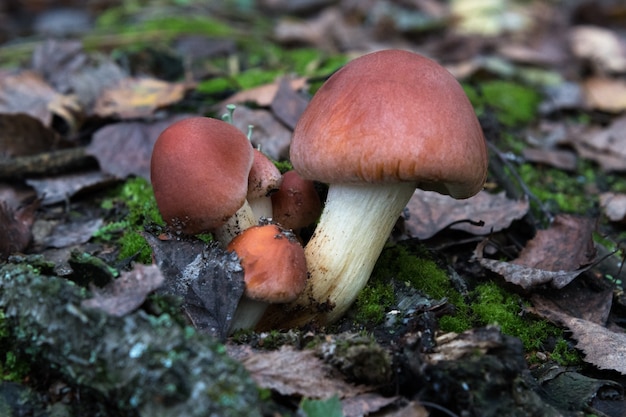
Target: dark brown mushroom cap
{"x":296,"y":204}
{"x":273,"y":262}
{"x":199,"y":172}
{"x":392,"y":116}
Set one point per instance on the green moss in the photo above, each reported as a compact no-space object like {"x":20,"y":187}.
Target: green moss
{"x":373,"y":302}
{"x":493,"y":305}
{"x":564,"y":354}
{"x":12,"y":368}
{"x":136,"y":207}
{"x":513,"y":104}
{"x":560,"y":190}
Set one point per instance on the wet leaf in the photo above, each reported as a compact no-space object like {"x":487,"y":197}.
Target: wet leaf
{"x":288,"y":105}
{"x":126,"y":293}
{"x":428,"y":213}
{"x":208,"y":280}
{"x":53,"y":190}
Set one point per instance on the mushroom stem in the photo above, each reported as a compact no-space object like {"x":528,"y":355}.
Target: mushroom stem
{"x":352,"y":231}
{"x":247,"y":314}
{"x":261,"y":207}
{"x":237,"y":223}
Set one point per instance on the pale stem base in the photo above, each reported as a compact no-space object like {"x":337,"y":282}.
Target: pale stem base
{"x":353,"y":229}
{"x":240,"y":221}
{"x":247,"y":314}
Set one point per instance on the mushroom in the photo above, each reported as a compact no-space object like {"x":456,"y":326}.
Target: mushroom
{"x":264,"y":179}
{"x":296,"y":204}
{"x":199,"y":171}
{"x":274,"y":271}
{"x":384,"y":124}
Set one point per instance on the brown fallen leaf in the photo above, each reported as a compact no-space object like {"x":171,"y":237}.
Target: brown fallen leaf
{"x":602,"y":347}
{"x":566,"y":245}
{"x":263,"y":95}
{"x":15,"y":227}
{"x":60,"y":188}
{"x":22,"y":134}
{"x":133,"y":98}
{"x":605,"y":94}
{"x":599,"y":46}
{"x":428,"y":213}
{"x":27,"y":92}
{"x":287,"y":104}
{"x":298,"y":372}
{"x":614,"y":206}
{"x":562,"y":159}
{"x":606,"y":146}
{"x":126,"y":293}
{"x":125,"y":148}
{"x":371,"y":402}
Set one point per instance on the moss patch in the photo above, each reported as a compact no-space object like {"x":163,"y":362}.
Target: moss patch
{"x":134,"y":207}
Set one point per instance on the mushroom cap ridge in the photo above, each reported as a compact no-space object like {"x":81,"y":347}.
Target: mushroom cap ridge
{"x":199,"y":172}
{"x":392,"y":116}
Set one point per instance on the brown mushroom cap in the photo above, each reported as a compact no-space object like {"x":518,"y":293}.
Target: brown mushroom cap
{"x":296,"y":204}
{"x":273,"y":262}
{"x":199,"y":172}
{"x":392,"y":116}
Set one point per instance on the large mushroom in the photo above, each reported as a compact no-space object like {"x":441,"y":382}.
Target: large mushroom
{"x":384,"y":124}
{"x":199,"y":171}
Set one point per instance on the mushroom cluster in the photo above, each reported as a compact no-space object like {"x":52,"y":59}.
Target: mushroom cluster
{"x":207,"y":178}
{"x":385,"y":124}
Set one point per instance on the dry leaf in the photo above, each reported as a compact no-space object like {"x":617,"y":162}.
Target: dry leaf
{"x":124,"y":149}
{"x":428,"y":213}
{"x":126,"y":293}
{"x":602,"y":347}
{"x":614,"y":206}
{"x":297,"y":372}
{"x":526,"y":277}
{"x":263,"y":95}
{"x":288,"y":105}
{"x":565,"y":246}
{"x":138,"y":97}
{"x":606,"y":94}
{"x":561,"y":159}
{"x":72,"y":233}
{"x":61,"y":188}
{"x":606,"y":146}
{"x":370,"y":403}
{"x":22,"y":134}
{"x":26,"y":92}
{"x":600,"y":46}
{"x":15,"y":227}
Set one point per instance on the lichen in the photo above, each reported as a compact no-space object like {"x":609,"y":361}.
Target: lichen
{"x":149,"y":365}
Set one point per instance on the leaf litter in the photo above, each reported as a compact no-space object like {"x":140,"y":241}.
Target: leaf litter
{"x":65,"y":83}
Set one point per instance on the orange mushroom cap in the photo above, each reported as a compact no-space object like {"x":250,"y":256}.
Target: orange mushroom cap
{"x":392,"y":116}
{"x":199,"y":172}
{"x":273,"y":262}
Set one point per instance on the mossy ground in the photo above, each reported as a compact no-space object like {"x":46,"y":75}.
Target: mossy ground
{"x":132,"y":207}
{"x":483,"y":303}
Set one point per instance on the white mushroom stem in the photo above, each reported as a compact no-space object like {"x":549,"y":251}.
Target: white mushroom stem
{"x":352,"y":231}
{"x":247,"y":314}
{"x":237,"y":223}
{"x":261,"y":207}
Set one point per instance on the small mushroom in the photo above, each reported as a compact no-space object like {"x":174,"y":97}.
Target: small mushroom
{"x":296,"y":204}
{"x":199,"y":171}
{"x":274,"y":271}
{"x":264,"y":180}
{"x":384,"y":124}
